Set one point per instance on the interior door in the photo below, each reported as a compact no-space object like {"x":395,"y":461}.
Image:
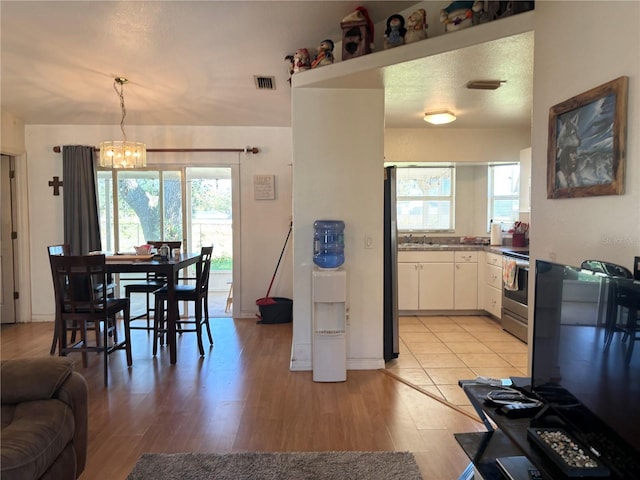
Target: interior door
{"x":7,"y":278}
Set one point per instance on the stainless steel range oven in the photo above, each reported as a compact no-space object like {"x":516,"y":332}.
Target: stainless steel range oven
{"x":515,"y":301}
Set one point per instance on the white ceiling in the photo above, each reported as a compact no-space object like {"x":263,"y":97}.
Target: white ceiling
{"x":193,"y":63}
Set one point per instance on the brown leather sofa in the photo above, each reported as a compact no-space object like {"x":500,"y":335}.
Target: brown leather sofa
{"x":44,"y":419}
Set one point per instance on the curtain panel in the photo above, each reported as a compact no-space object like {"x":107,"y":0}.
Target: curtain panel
{"x":81,"y":221}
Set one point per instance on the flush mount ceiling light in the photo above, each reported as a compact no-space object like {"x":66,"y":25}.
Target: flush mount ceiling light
{"x":122,"y":153}
{"x":439,"y":118}
{"x":485,"y":84}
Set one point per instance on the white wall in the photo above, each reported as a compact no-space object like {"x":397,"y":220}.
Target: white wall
{"x":338,"y":174}
{"x":264,"y":224}
{"x":574,"y":53}
{"x":455,"y":144}
{"x":11,"y":135}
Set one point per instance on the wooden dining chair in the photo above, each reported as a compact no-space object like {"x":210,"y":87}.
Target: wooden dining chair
{"x":148,"y":285}
{"x":197,"y":293}
{"x":78,"y":307}
{"x":65,"y":249}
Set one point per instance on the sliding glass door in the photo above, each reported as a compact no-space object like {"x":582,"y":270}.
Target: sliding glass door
{"x":191,"y":204}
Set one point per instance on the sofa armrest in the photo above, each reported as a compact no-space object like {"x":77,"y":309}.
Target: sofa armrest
{"x":43,"y":378}
{"x":74,"y":392}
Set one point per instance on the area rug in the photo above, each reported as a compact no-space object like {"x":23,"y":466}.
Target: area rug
{"x":277,"y":466}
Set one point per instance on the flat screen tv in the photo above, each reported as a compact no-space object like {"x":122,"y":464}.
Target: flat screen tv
{"x":585,"y":369}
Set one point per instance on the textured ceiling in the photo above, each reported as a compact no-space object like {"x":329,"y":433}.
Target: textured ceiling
{"x":193,"y":62}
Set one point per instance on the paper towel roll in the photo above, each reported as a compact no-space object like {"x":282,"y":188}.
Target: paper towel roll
{"x":496,"y":234}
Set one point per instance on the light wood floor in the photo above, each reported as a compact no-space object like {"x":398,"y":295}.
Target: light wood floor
{"x":242,"y":397}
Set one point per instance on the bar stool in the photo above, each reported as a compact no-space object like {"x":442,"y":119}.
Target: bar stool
{"x":148,"y":285}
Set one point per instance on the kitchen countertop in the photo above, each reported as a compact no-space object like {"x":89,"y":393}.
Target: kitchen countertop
{"x":420,"y":247}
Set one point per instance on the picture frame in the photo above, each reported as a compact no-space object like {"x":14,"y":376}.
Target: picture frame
{"x":587,"y":143}
{"x":264,"y":187}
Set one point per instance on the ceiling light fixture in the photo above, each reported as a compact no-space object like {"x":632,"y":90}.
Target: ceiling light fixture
{"x":122,"y":153}
{"x":439,"y":118}
{"x":485,"y":84}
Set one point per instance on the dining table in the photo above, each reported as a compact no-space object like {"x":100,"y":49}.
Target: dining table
{"x":167,"y":267}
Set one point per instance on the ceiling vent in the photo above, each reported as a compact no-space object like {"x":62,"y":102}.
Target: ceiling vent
{"x":264,"y":83}
{"x":485,"y":84}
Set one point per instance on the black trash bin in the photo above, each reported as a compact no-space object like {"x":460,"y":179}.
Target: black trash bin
{"x":278,"y":311}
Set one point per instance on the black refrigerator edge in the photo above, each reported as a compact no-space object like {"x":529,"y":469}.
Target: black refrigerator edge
{"x":390,"y":309}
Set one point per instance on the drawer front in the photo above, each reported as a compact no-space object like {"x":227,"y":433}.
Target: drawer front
{"x":494,"y":259}
{"x":466,"y":257}
{"x":493,"y":301}
{"x":494,"y":277}
{"x":426,"y":257}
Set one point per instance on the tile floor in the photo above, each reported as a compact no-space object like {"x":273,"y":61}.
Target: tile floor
{"x":435,"y":352}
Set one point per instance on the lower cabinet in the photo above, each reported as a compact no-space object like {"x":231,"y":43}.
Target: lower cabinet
{"x":466,"y":281}
{"x":438,"y":280}
{"x":408,"y":286}
{"x":425,"y":280}
{"x":493,"y":285}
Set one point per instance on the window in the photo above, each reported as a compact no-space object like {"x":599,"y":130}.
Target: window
{"x":149,"y":207}
{"x":504,"y":193}
{"x":164,"y":205}
{"x":425,"y":198}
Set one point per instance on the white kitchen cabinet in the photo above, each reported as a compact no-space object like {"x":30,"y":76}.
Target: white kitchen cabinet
{"x":466,"y":281}
{"x":408,"y":286}
{"x":425,"y":280}
{"x":436,"y":286}
{"x":493,"y":284}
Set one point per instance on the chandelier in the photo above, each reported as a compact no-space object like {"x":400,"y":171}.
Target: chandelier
{"x":122,"y":153}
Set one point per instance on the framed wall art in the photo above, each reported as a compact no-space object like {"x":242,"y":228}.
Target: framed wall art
{"x":587,"y":143}
{"x":264,"y":187}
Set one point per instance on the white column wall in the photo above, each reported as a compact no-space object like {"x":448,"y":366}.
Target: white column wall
{"x":338,"y":137}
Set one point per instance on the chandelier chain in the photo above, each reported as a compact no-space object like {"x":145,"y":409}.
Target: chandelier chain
{"x":121,"y":82}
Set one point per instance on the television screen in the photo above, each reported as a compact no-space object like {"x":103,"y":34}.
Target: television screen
{"x":584,"y":364}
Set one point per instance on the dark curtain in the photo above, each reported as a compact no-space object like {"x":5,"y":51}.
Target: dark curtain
{"x":81,"y":222}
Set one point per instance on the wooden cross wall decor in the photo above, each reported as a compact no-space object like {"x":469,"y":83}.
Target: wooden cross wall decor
{"x":56,"y":183}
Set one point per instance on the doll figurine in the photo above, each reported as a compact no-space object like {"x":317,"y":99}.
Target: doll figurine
{"x":301,"y":60}
{"x":325,"y":54}
{"x":416,"y":26}
{"x":395,"y":32}
{"x":298,"y":62}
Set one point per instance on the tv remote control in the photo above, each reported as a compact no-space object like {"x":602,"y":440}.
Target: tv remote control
{"x":519,"y":410}
{"x":494,"y":382}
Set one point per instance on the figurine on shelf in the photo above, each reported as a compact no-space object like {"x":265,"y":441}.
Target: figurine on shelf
{"x":357,"y":34}
{"x":298,"y":62}
{"x":416,"y":26}
{"x":325,"y":54}
{"x":457,"y":15}
{"x":394,"y":34}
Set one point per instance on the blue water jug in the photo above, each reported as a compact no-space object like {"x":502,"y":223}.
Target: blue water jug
{"x":328,"y":243}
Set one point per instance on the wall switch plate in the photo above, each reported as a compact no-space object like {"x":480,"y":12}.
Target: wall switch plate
{"x":368,"y":241}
